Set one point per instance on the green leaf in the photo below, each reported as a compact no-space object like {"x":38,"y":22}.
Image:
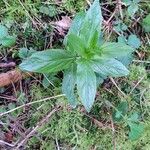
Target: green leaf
{"x":3,"y":31}
{"x":8,"y":41}
{"x":48,"y":61}
{"x":49,"y":80}
{"x":48,"y":10}
{"x":134,"y":117}
{"x":76,"y":23}
{"x":115,"y":50}
{"x":92,"y":23}
{"x":136,"y":1}
{"x":120,"y":111}
{"x":76,"y":44}
{"x":121,"y":39}
{"x":99,"y":79}
{"x":124,"y":27}
{"x":126,"y":60}
{"x":146,"y":23}
{"x":75,"y":26}
{"x":127,"y":2}
{"x":2,"y":109}
{"x":94,"y":43}
{"x":132,"y":9}
{"x":136,"y":131}
{"x":68,"y":85}
{"x":45,"y":82}
{"x":109,"y":67}
{"x":86,"y":84}
{"x":134,"y":41}
{"x":25,"y":53}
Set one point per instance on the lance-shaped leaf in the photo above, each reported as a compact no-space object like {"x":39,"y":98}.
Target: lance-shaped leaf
{"x":92,"y":23}
{"x":76,"y":23}
{"x":86,"y":84}
{"x":68,"y":85}
{"x":75,"y":26}
{"x":76,"y":44}
{"x":48,"y":61}
{"x":109,"y":67}
{"x":115,"y":50}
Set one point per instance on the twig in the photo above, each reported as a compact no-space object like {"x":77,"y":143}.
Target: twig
{"x":5,"y":65}
{"x":137,"y":84}
{"x":141,"y":61}
{"x":39,"y":124}
{"x":8,"y":98}
{"x":88,"y":2}
{"x":58,"y":148}
{"x":113,"y":132}
{"x":38,"y":101}
{"x":113,"y":81}
{"x":5,"y":143}
{"x":119,"y":7}
{"x":113,"y":14}
{"x":98,"y":123}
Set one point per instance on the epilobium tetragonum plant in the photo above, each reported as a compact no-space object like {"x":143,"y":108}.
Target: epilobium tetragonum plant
{"x":86,"y":61}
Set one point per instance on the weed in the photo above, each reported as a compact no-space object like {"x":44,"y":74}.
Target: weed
{"x":81,"y":61}
{"x":119,"y":117}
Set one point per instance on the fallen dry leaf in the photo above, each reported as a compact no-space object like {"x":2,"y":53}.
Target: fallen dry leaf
{"x":64,"y":23}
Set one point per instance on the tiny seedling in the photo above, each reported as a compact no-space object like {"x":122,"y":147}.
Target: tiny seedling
{"x":87,"y":59}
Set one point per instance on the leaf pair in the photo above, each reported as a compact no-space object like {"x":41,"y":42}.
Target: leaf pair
{"x":86,"y":60}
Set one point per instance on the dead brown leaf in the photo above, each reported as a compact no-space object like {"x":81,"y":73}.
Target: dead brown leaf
{"x":62,"y":25}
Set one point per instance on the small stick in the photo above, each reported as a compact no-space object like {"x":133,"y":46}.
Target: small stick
{"x":5,"y":65}
{"x":113,"y":14}
{"x":141,"y":61}
{"x":5,"y":143}
{"x":97,"y":122}
{"x":137,"y":84}
{"x":38,"y":101}
{"x":88,"y":2}
{"x":119,"y":7}
{"x":113,"y":132}
{"x":113,"y":81}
